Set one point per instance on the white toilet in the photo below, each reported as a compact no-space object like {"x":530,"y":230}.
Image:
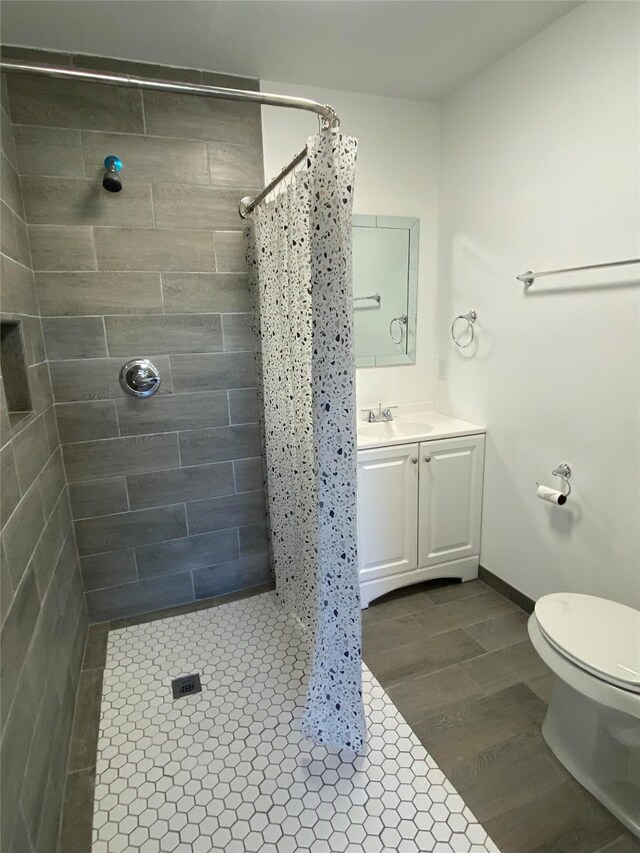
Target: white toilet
{"x":593,"y":723}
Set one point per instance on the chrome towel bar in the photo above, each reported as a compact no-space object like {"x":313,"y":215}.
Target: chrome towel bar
{"x":374,"y":296}
{"x":529,"y":276}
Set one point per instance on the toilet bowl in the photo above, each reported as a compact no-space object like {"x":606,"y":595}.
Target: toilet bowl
{"x":593,"y":722}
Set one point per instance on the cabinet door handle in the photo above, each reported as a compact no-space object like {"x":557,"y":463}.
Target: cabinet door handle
{"x":427,"y":459}
{"x":414,"y":459}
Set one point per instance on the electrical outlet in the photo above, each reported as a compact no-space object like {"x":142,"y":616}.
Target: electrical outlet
{"x":442,"y":368}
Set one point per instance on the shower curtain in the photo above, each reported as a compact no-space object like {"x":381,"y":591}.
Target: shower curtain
{"x":299,"y":250}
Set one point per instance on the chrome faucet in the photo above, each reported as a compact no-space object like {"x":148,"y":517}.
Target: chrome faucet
{"x":381,"y":415}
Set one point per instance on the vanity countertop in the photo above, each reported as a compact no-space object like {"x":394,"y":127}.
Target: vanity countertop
{"x":412,"y":426}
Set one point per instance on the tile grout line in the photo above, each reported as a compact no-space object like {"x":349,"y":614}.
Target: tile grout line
{"x":180,"y":572}
{"x":186,"y":520}
{"x":151,"y":435}
{"x":143,"y":113}
{"x":104,"y":331}
{"x":164,"y":305}
{"x":136,"y":134}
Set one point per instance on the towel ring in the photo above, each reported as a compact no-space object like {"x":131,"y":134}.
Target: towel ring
{"x":401,"y":321}
{"x":470,"y":317}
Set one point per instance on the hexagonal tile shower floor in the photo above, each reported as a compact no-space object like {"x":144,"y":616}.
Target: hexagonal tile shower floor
{"x":228,"y":770}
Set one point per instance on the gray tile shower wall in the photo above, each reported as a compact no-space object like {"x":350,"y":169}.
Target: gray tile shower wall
{"x":43,"y":614}
{"x":165,"y":492}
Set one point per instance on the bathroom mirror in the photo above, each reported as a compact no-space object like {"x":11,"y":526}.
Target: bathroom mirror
{"x":385,"y":284}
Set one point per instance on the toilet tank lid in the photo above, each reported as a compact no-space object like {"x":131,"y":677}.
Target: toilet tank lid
{"x":598,"y":634}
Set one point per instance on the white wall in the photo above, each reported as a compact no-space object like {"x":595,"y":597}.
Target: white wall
{"x":396,"y":175}
{"x":540,"y":170}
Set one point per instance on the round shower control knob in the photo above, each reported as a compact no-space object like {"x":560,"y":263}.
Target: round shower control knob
{"x":140,"y":378}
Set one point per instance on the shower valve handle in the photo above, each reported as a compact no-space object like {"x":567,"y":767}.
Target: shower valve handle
{"x":140,"y":377}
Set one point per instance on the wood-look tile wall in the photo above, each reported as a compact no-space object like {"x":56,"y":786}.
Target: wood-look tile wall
{"x":166,"y":492}
{"x":43,"y":614}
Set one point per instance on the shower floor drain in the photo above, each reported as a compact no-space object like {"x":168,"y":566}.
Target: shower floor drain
{"x":186,"y":685}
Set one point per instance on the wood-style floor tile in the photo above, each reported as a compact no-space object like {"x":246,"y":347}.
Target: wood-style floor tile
{"x":564,"y":819}
{"x":463,"y":729}
{"x":419,"y":697}
{"x":496,"y":670}
{"x":421,"y":657}
{"x":481,"y":718}
{"x":464,"y":612}
{"x":542,"y":686}
{"x":383,"y":636}
{"x":501,"y":631}
{"x":507,"y":775}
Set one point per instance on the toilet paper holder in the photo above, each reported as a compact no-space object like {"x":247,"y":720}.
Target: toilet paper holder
{"x":564,"y":472}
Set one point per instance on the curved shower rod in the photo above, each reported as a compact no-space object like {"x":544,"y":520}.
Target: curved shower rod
{"x":326,"y":113}
{"x":110,"y":78}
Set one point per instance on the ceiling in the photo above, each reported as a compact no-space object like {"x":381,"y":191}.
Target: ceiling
{"x":423,"y":49}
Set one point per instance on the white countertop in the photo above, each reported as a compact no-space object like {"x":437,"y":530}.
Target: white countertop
{"x":410,"y":426}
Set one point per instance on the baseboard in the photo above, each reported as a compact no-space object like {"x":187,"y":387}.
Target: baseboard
{"x":504,"y":588}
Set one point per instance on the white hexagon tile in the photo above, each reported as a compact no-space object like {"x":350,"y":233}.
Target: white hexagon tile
{"x":228,"y":770}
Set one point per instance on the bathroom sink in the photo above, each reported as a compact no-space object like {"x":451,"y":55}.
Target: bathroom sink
{"x":399,"y":428}
{"x":413,"y":427}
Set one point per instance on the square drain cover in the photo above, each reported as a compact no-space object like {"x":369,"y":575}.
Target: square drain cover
{"x":186,"y":685}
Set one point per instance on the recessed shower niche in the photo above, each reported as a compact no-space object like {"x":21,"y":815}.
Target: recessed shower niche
{"x":14,"y":371}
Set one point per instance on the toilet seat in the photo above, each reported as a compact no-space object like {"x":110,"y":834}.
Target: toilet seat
{"x":601,"y":637}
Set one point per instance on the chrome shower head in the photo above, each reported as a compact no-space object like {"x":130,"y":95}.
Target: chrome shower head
{"x":111,"y":179}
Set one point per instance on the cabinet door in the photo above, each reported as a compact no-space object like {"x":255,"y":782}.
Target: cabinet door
{"x":387,"y":510}
{"x":450,"y":499}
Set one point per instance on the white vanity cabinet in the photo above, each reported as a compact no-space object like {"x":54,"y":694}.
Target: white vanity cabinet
{"x":419,"y":511}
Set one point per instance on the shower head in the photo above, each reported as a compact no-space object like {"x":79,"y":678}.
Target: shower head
{"x":111,"y":179}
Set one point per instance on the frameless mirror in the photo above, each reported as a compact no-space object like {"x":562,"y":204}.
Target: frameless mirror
{"x":385,"y":285}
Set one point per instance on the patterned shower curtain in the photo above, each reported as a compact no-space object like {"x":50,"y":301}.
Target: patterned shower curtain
{"x":299,"y":249}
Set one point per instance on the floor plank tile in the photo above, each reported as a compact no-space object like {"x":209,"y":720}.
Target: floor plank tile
{"x":421,"y":696}
{"x":462,"y":613}
{"x":506,"y":775}
{"x":500,"y":631}
{"x":382,"y":636}
{"x":422,"y":657}
{"x":465,"y":728}
{"x":564,"y":819}
{"x":542,"y":685}
{"x":496,"y":670}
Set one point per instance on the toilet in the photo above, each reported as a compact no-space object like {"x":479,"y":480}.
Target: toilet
{"x":593,"y":722}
